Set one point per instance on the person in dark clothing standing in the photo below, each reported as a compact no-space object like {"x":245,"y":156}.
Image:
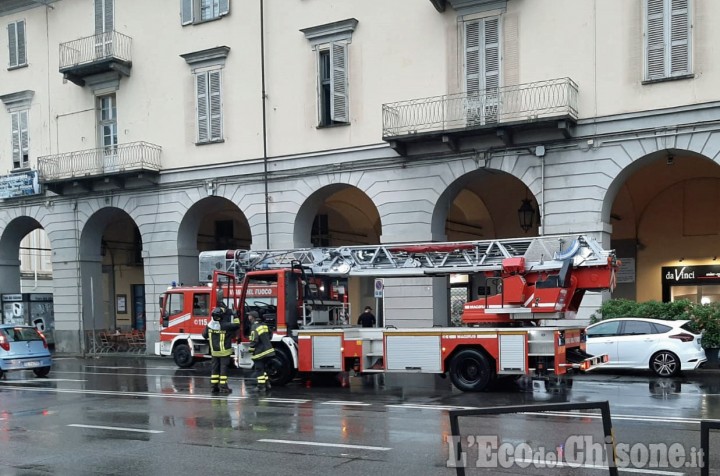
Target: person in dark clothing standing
{"x":261,"y":349}
{"x":219,"y":333}
{"x":367,"y":318}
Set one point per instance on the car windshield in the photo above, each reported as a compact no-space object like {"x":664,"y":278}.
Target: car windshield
{"x":20,"y":334}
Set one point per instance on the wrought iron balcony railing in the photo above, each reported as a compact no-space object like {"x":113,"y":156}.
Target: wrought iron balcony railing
{"x":96,"y":48}
{"x":122,"y":158}
{"x":543,"y":100}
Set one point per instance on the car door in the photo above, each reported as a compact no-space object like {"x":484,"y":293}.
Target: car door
{"x":602,"y":339}
{"x":636,"y":342}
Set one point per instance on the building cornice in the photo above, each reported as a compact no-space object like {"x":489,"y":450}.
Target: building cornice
{"x":17,"y":101}
{"x":209,"y":57}
{"x":339,"y":30}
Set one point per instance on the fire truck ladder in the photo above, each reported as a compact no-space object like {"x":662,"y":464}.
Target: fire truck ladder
{"x":416,"y":259}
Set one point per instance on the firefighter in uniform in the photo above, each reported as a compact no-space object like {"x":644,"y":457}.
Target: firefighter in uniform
{"x":219,"y":333}
{"x":261,"y":348}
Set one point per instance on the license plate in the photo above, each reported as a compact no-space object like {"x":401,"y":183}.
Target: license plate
{"x":32,"y":363}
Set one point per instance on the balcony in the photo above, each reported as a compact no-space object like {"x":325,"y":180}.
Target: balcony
{"x":551,"y":103}
{"x":102,"y":53}
{"x":101,"y":169}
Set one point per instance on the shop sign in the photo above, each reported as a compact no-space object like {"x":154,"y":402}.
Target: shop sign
{"x":21,"y":184}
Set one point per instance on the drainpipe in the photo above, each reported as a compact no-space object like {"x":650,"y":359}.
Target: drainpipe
{"x":264,"y":125}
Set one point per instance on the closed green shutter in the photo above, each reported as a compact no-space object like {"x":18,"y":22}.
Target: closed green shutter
{"x":224,"y":7}
{"x":186,"y":8}
{"x":21,"y":51}
{"x":202,"y":106}
{"x":12,"y":44}
{"x":679,"y":37}
{"x":215,"y":105}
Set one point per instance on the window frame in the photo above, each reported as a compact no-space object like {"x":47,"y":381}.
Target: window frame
{"x":20,"y":46}
{"x":667,"y":43}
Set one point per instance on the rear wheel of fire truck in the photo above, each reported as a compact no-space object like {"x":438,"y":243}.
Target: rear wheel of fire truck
{"x":279,"y":369}
{"x":665,"y":364}
{"x":182,"y":356}
{"x":470,"y":371}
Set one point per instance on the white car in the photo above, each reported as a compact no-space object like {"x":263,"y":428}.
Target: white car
{"x":665,"y":347}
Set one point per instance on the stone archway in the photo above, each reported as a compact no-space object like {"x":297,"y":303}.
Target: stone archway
{"x":662,"y":210}
{"x":212,"y":223}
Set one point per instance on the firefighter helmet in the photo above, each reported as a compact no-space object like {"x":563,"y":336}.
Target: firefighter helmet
{"x":217,"y":314}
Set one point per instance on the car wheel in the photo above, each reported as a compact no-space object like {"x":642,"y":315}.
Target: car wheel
{"x":470,"y":371}
{"x":279,"y":369}
{"x":665,"y":364}
{"x":182,"y":356}
{"x":41,"y":372}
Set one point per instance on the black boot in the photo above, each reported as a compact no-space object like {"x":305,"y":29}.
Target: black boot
{"x":215,"y":390}
{"x":225,"y":390}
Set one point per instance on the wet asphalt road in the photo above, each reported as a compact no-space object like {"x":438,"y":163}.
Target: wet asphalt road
{"x":119,"y":416}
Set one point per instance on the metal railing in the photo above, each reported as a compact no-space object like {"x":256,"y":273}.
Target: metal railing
{"x":98,"y":162}
{"x":95,"y":48}
{"x":509,"y":104}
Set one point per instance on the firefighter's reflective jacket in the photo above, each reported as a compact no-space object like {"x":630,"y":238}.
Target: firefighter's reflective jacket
{"x":260,"y":345}
{"x":219,"y":334}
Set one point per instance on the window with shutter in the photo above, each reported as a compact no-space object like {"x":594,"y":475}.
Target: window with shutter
{"x":20,"y":139}
{"x":667,"y":39}
{"x":17,"y":44}
{"x":333,"y":84}
{"x":330,"y":43}
{"x":198,"y":11}
{"x":209,"y":106}
{"x":482,"y":69}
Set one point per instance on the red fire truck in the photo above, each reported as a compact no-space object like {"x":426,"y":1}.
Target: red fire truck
{"x":528,"y":282}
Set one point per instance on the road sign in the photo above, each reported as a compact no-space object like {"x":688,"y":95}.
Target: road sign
{"x":379,"y":288}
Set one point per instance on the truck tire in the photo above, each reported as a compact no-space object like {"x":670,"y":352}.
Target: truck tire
{"x":470,"y":371}
{"x":279,"y":368}
{"x":182,"y":356}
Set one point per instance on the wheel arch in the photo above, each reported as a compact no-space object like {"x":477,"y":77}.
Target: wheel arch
{"x":460,"y":348}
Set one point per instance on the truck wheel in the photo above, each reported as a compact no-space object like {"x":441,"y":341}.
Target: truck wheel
{"x":41,"y":372}
{"x":470,"y":371}
{"x":182,"y":356}
{"x":279,"y":369}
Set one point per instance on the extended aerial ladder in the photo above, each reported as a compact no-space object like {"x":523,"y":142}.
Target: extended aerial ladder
{"x":536,"y":278}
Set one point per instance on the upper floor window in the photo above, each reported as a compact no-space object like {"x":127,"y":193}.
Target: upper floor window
{"x":332,"y":84}
{"x":209,"y":106}
{"x":482,"y":68}
{"x":331,"y":42}
{"x":207,"y":70}
{"x":197,"y":11}
{"x":668,"y":39}
{"x":16,"y":44}
{"x":20,"y":142}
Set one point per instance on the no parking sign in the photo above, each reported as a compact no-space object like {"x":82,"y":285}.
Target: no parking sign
{"x":379,"y":288}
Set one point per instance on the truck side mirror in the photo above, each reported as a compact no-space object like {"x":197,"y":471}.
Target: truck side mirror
{"x":165,"y":318}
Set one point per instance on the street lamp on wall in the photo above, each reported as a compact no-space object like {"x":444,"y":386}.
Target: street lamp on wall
{"x":526,"y":215}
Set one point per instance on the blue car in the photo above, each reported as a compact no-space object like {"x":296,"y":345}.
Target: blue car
{"x":23,"y":348}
